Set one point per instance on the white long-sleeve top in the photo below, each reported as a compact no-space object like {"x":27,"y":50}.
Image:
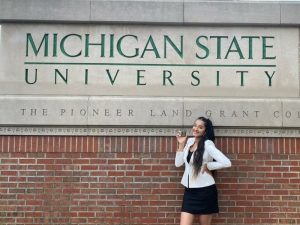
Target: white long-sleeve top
{"x":210,"y":153}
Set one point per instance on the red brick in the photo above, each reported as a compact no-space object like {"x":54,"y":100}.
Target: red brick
{"x":275,"y":145}
{"x":163,"y":146}
{"x":16,"y":144}
{"x":273,"y":163}
{"x":245,"y":156}
{"x":130,"y":144}
{"x":269,"y":220}
{"x":1,"y":143}
{"x":5,"y":143}
{"x":129,"y":181}
{"x":135,"y":144}
{"x":88,"y":144}
{"x":281,"y":146}
{"x":297,"y":147}
{"x":73,"y":144}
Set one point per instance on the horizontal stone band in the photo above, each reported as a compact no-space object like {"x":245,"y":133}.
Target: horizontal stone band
{"x":138,"y":131}
{"x":147,"y":112}
{"x":174,"y":11}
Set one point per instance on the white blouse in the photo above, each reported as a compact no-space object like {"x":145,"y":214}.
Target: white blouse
{"x":210,"y":153}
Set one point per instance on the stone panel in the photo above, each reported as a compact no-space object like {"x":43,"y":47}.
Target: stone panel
{"x":290,"y":14}
{"x":41,"y":10}
{"x":136,"y":60}
{"x":152,"y":11}
{"x":231,"y":12}
{"x":137,"y":11}
{"x":147,"y":112}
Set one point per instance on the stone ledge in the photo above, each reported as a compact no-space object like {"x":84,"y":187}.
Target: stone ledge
{"x":137,"y":11}
{"x":231,"y":13}
{"x":290,"y":14}
{"x":151,"y":12}
{"x":142,"y":131}
{"x":43,"y":10}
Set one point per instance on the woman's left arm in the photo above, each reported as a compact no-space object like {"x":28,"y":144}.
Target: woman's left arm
{"x":221,"y":160}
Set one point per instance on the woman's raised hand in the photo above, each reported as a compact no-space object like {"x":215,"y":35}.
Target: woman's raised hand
{"x":181,"y":139}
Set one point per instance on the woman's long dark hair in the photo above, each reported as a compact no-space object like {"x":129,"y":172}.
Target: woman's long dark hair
{"x":209,"y":134}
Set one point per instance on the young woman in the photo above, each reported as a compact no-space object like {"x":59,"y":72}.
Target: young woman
{"x":200,"y":157}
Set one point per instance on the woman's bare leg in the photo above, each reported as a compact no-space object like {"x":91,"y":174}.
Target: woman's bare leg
{"x":186,"y":218}
{"x":205,"y":219}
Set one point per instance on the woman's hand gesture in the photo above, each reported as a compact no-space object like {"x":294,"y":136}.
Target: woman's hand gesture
{"x":181,"y":139}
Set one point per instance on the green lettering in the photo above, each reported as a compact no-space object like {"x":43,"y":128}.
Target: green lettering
{"x":139,"y":76}
{"x":26,"y":77}
{"x":250,"y":45}
{"x":167,"y":77}
{"x":219,"y":44}
{"x":270,"y":77}
{"x":151,"y":48}
{"x":179,"y":51}
{"x":86,"y":76}
{"x":203,"y":47}
{"x":119,"y":46}
{"x":62,"y":45}
{"x":29,"y":40}
{"x":218,"y":78}
{"x":265,"y":46}
{"x":64,"y":78}
{"x":88,"y":44}
{"x":111,"y":49}
{"x":242,"y":76}
{"x":55,"y":45}
{"x":112,"y":80}
{"x":197,"y":79}
{"x":235,"y":44}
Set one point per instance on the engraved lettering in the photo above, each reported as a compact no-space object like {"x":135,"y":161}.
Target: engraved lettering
{"x":83,"y":112}
{"x":107,"y":112}
{"x":23,"y":111}
{"x":130,"y":112}
{"x":222,"y":113}
{"x":62,"y":111}
{"x":112,"y":80}
{"x":270,"y":77}
{"x":119,"y":112}
{"x":276,"y":114}
{"x":44,"y":112}
{"x":33,"y":112}
{"x":188,"y":113}
{"x":288,"y":114}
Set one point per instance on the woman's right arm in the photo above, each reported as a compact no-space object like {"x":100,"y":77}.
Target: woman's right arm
{"x":179,"y":153}
{"x":179,"y":159}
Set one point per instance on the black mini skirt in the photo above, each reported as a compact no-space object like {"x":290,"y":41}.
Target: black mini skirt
{"x":201,"y":201}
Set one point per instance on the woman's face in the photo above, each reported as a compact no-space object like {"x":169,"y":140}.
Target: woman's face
{"x":198,"y":128}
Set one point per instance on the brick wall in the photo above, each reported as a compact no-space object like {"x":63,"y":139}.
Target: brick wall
{"x":133,"y":180}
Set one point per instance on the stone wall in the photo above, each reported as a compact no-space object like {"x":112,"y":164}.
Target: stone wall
{"x":60,"y":165}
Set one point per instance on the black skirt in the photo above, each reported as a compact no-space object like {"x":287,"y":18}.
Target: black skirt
{"x":201,"y":201}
